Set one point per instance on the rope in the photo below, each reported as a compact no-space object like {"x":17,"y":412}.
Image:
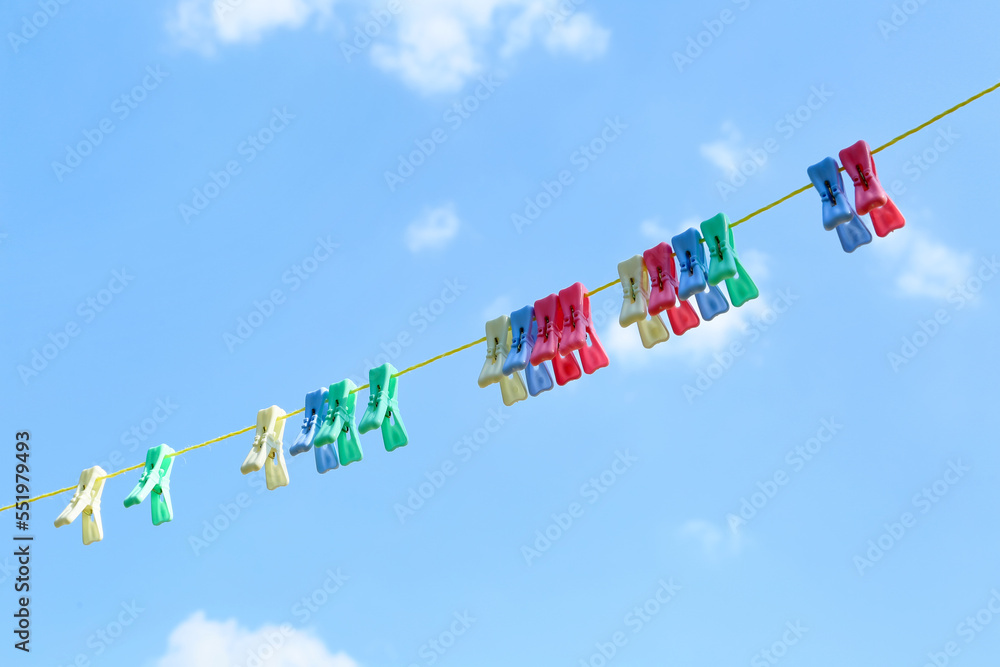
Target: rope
{"x":430,"y":361}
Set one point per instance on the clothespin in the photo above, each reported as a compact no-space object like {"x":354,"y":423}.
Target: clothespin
{"x":869,"y":195}
{"x":693,"y":276}
{"x":659,"y":262}
{"x":156,"y":478}
{"x":87,"y":500}
{"x":578,"y":329}
{"x":338,"y":435}
{"x":312,"y":420}
{"x":383,"y":408}
{"x":837,"y":212}
{"x":635,"y":287}
{"x":498,"y":343}
{"x":268,"y":450}
{"x":725,"y":263}
{"x":549,"y":318}
{"x":524,"y":333}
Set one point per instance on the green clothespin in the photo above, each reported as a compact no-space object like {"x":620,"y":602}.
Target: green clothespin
{"x":156,"y":478}
{"x":383,"y":408}
{"x":338,"y":428}
{"x":724,"y":264}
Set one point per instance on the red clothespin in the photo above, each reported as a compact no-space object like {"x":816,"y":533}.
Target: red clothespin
{"x":869,"y":195}
{"x":662,"y":271}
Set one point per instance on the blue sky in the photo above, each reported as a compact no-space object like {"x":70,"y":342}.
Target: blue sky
{"x":211,"y":209}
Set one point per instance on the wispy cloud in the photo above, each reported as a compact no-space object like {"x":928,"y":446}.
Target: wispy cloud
{"x":502,"y":305}
{"x":200,"y":642}
{"x":712,"y":541}
{"x":725,"y":153}
{"x":923,"y":266}
{"x":434,"y":230}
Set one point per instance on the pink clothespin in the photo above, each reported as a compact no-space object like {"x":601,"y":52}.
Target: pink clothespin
{"x":578,"y":328}
{"x":659,"y":261}
{"x":549,"y":317}
{"x":869,"y":195}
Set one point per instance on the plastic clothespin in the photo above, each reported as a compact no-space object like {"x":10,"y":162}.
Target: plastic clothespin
{"x":498,"y":344}
{"x":268,"y":450}
{"x":524,"y":333}
{"x":578,"y":329}
{"x":725,"y":263}
{"x":693,"y":278}
{"x":338,"y":441}
{"x":549,"y":318}
{"x":869,"y":195}
{"x":659,"y":261}
{"x":86,"y":500}
{"x":837,"y":212}
{"x":383,"y":408}
{"x":156,"y":478}
{"x":312,"y":420}
{"x":635,"y":287}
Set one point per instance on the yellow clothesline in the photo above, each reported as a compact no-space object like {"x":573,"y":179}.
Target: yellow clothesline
{"x":483,"y":340}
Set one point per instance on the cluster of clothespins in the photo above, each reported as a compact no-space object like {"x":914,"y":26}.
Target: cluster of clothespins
{"x":555,"y":329}
{"x":327,"y":427}
{"x":869,"y":197}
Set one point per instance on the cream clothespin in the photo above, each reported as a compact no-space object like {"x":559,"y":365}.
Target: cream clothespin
{"x":498,"y":343}
{"x":86,"y":500}
{"x":267,"y":451}
{"x":635,"y":285}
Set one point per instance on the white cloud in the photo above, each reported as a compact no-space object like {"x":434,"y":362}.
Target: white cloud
{"x":502,"y":305}
{"x":434,"y":230}
{"x":438,"y":45}
{"x":712,"y":541}
{"x":200,"y":642}
{"x":725,"y":153}
{"x":652,"y":229}
{"x":923,"y":266}
{"x":202,"y":24}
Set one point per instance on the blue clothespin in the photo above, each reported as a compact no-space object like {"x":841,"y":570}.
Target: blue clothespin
{"x":691,"y":257}
{"x":837,"y":212}
{"x":693,"y":278}
{"x":524,"y":333}
{"x":312,"y":419}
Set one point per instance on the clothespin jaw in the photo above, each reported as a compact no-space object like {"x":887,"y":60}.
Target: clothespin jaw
{"x":691,"y":258}
{"x":887,"y":218}
{"x":659,"y":263}
{"x":312,"y":420}
{"x":711,"y":303}
{"x":155,"y":479}
{"x":383,"y":408}
{"x":854,"y":234}
{"x":721,"y":251}
{"x":87,"y":501}
{"x":538,"y":379}
{"x":829,"y":182}
{"x":682,"y":318}
{"x":578,"y":329}
{"x":860,"y":166}
{"x":275,"y":468}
